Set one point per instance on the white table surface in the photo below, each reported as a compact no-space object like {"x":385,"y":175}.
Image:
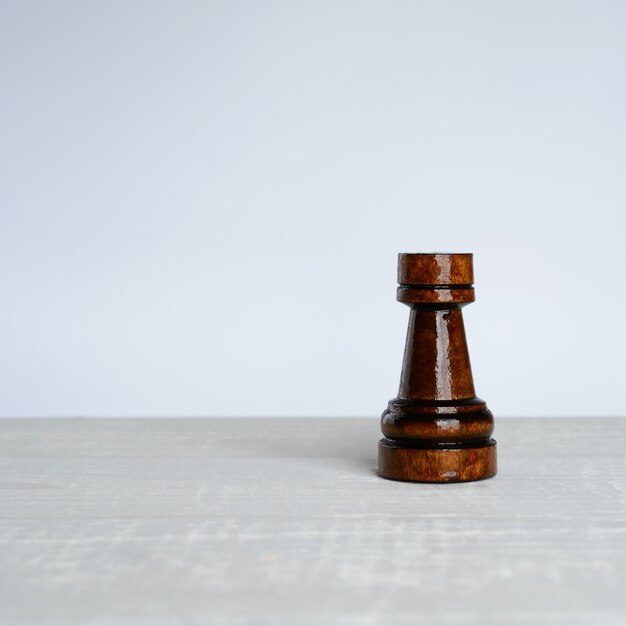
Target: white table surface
{"x":284,"y":521}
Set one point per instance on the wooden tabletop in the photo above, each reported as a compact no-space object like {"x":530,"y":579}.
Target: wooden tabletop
{"x":284,"y":522}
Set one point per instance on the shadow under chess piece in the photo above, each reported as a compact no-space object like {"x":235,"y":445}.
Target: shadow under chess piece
{"x":436,"y":430}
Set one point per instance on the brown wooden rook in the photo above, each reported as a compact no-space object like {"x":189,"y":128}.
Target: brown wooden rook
{"x":436,"y":430}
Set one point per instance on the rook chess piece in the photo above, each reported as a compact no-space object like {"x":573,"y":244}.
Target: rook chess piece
{"x":436,"y":430}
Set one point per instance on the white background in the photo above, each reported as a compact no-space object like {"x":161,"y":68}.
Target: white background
{"x":201,"y":203}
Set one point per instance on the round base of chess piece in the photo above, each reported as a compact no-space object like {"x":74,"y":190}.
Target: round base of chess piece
{"x":462,"y":463}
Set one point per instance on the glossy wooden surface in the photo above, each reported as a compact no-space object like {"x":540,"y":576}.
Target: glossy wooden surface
{"x":436,"y":429}
{"x":284,"y":522}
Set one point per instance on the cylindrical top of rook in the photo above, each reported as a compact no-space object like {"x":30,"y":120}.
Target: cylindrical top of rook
{"x":434,"y":278}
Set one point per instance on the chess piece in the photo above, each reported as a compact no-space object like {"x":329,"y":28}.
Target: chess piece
{"x":436,"y":430}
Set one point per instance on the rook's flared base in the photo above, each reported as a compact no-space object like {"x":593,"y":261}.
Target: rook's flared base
{"x":399,"y":461}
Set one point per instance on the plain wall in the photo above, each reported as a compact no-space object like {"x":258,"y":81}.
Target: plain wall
{"x":201,"y":202}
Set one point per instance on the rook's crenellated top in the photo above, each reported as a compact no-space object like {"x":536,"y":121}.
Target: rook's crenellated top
{"x":435,"y":278}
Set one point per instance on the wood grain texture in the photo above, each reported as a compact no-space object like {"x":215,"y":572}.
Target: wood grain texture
{"x":436,"y":429}
{"x":280,"y":521}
